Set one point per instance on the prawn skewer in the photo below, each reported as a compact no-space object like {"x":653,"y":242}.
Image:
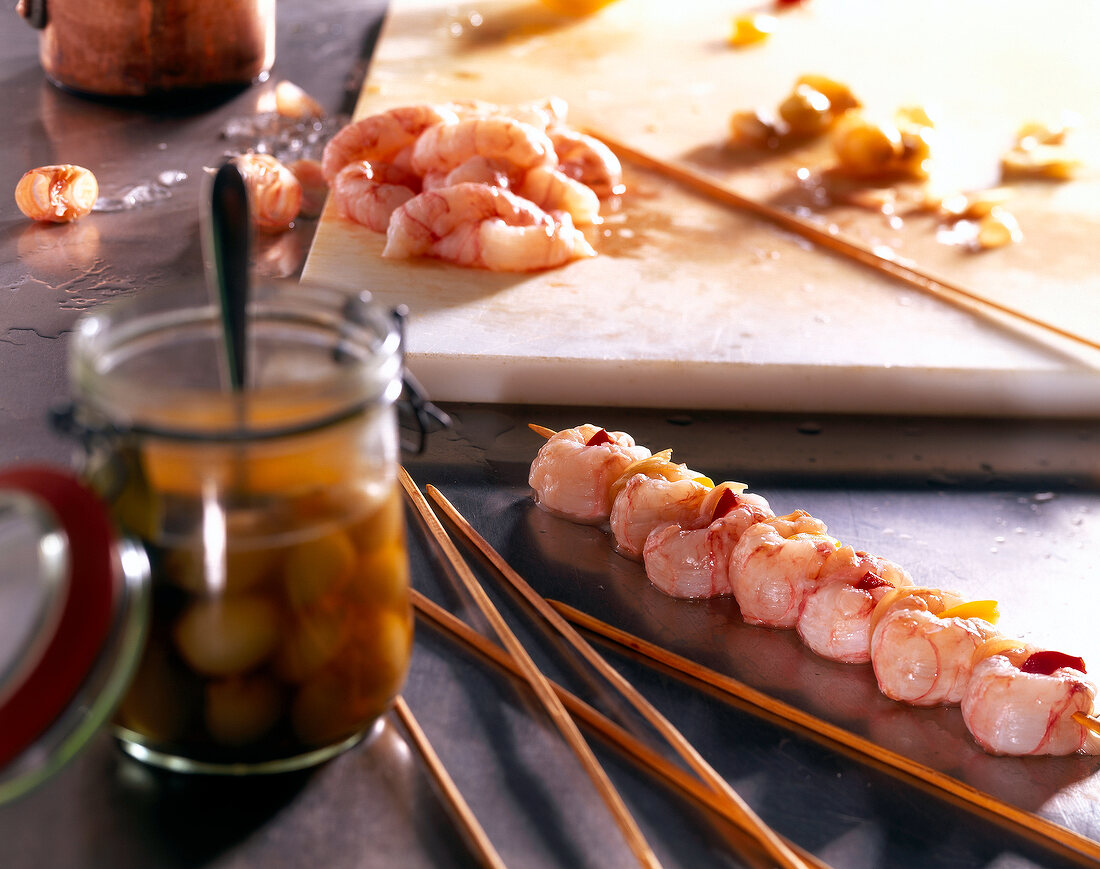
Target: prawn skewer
{"x":1024,"y":701}
{"x":835,"y":621}
{"x":776,"y":564}
{"x":574,"y":471}
{"x":927,"y":646}
{"x":649,"y":493}
{"x":923,"y":642}
{"x":692,"y":559}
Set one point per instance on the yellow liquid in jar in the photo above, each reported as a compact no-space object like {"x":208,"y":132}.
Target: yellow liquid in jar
{"x":280,"y":624}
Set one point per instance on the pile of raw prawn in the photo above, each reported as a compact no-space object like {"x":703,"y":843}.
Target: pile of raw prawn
{"x":928,"y":646}
{"x":474,"y":183}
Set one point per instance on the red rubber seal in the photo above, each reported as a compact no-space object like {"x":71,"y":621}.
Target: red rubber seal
{"x":86,"y":613}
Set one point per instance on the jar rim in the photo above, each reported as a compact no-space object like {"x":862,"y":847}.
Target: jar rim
{"x":353,"y":351}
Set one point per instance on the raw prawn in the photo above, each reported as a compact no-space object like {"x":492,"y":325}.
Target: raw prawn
{"x":921,"y":653}
{"x":382,"y":138}
{"x":776,"y":564}
{"x":835,"y":622}
{"x":477,"y":170}
{"x":574,"y":471}
{"x":556,"y":192}
{"x":477,"y":225}
{"x":541,"y":114}
{"x":369,"y":194}
{"x":691,"y":559}
{"x":442,"y":147}
{"x":274,"y":192}
{"x":589,"y":161}
{"x":57,"y":194}
{"x":1009,"y":710}
{"x":652,"y":492}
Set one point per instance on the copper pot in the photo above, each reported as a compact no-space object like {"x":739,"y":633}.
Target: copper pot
{"x":138,"y":48}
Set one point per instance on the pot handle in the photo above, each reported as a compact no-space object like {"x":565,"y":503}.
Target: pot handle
{"x":34,"y":11}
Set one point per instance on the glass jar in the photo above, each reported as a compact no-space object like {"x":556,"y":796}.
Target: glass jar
{"x":272,"y":518}
{"x":141,"y":48}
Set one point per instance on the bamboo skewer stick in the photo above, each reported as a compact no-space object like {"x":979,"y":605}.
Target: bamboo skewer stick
{"x":599,"y":724}
{"x":769,"y":840}
{"x":538,"y":682}
{"x":1090,"y":722}
{"x":1075,"y":844}
{"x":541,"y":430}
{"x":480,"y":842}
{"x":943,"y":290}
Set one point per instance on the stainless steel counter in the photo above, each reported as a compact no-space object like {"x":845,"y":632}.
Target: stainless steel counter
{"x":1007,"y":508}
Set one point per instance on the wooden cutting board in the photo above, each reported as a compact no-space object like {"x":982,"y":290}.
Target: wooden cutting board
{"x":690,"y":304}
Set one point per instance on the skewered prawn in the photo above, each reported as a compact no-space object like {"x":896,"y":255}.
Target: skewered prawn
{"x":589,"y":161}
{"x":775,"y":565}
{"x":692,"y":559}
{"x":442,"y":147}
{"x":652,"y":492}
{"x":835,"y":622}
{"x":1014,"y":706}
{"x":382,"y":138}
{"x":369,"y":194}
{"x":477,"y":225}
{"x":922,"y":653}
{"x":574,"y":471}
{"x":556,"y":192}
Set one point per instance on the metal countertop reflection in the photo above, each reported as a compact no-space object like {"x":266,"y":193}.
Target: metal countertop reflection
{"x":1009,"y":508}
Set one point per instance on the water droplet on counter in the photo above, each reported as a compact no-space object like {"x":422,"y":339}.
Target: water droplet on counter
{"x":140,"y":194}
{"x":286,"y":139}
{"x":998,"y":539}
{"x":809,"y":428}
{"x":1043,"y":496}
{"x":1018,"y":530}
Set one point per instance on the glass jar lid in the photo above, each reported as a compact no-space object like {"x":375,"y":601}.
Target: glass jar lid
{"x":73,"y":606}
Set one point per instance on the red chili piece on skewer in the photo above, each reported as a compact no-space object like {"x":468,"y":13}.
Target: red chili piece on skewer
{"x":1046,"y":662}
{"x":600,"y":437}
{"x":727,"y":501}
{"x":871,"y":580}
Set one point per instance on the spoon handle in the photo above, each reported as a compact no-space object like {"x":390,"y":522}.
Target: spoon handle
{"x":230,"y":235}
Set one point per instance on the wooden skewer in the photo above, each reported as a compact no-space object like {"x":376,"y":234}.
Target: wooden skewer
{"x":769,"y":840}
{"x":1089,"y":722}
{"x":542,"y":430}
{"x":940,"y":289}
{"x":480,"y":842}
{"x":538,"y":682}
{"x":599,"y":724}
{"x":1075,"y":845}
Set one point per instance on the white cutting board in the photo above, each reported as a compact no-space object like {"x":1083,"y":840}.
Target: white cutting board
{"x":692,"y":305}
